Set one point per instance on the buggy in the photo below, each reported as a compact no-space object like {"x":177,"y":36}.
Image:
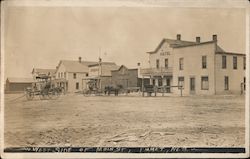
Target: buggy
{"x":44,"y":88}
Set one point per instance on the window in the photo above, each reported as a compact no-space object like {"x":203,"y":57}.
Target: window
{"x":204,"y":61}
{"x":58,"y":75}
{"x":74,"y":75}
{"x":181,"y":63}
{"x":226,"y":83}
{"x":244,"y":63}
{"x":157,"y":63}
{"x":64,"y":74}
{"x":204,"y":83}
{"x":224,"y":61}
{"x":235,"y":62}
{"x":87,"y":74}
{"x":61,"y":75}
{"x":77,"y":85}
{"x":166,"y":63}
{"x":181,"y":82}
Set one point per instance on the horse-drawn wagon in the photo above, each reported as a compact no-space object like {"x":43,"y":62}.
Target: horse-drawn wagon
{"x":93,"y":88}
{"x":45,"y":88}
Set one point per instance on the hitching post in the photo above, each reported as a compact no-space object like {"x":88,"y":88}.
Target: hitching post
{"x":181,"y":91}
{"x":142,"y":87}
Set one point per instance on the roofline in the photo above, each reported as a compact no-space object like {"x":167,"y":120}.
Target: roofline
{"x":158,"y":46}
{"x":162,"y":41}
{"x":195,"y":44}
{"x":230,"y":53}
{"x":113,"y":63}
{"x":75,"y":72}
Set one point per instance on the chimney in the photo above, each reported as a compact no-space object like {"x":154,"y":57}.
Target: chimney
{"x":198,"y":39}
{"x":178,"y":36}
{"x":80,"y":59}
{"x":214,"y":37}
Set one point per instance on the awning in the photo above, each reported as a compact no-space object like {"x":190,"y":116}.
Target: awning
{"x":91,"y":78}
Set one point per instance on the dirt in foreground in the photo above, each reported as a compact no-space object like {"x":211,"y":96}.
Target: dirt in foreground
{"x":75,"y":120}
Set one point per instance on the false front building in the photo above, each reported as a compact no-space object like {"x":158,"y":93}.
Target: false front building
{"x":100,"y":74}
{"x":199,"y":67}
{"x":128,"y":78}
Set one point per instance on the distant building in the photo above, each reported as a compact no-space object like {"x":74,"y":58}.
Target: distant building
{"x":200,"y":67}
{"x":127,"y":78}
{"x":38,"y":72}
{"x":70,"y":74}
{"x":15,"y":85}
{"x":101,"y":73}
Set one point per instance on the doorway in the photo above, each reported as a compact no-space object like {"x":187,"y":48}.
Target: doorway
{"x":192,"y":85}
{"x":168,"y":85}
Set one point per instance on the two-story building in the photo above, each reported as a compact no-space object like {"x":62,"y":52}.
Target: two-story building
{"x":70,"y":74}
{"x":38,"y":72}
{"x":100,"y":73}
{"x":200,"y":67}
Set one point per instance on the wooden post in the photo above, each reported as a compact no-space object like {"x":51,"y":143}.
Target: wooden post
{"x":142,"y":87}
{"x":181,"y":91}
{"x":162,"y":89}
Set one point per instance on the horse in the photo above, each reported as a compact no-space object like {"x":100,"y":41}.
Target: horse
{"x":112,"y":89}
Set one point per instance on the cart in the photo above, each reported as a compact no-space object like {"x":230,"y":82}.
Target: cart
{"x":44,"y":88}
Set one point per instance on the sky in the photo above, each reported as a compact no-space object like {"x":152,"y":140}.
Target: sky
{"x":42,"y":36}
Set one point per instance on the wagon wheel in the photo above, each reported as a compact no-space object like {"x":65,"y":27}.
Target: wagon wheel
{"x":44,"y":95}
{"x":53,"y":94}
{"x":86,"y":93}
{"x":29,"y":95}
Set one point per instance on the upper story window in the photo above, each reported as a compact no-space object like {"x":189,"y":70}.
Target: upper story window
{"x":87,"y":74}
{"x":64,"y":74}
{"x":166,"y":63}
{"x":74,"y":75}
{"x":224,"y":61}
{"x":181,"y":63}
{"x":157,"y":63}
{"x":61,"y":75}
{"x":244,"y":63}
{"x":235,"y":62}
{"x":58,"y":75}
{"x":204,"y":61}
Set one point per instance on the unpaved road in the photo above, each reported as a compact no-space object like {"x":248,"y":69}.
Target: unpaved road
{"x":75,"y":120}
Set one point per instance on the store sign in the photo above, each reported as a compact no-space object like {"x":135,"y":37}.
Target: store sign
{"x":164,"y":53}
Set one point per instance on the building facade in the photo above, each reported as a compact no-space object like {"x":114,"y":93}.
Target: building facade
{"x":38,"y":72}
{"x":16,"y":85}
{"x":196,"y":66}
{"x":100,"y":74}
{"x":127,"y":78}
{"x":70,"y":74}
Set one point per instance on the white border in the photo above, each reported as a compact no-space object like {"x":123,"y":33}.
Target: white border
{"x":129,"y":3}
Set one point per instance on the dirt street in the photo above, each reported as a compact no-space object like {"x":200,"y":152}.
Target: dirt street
{"x":75,"y":120}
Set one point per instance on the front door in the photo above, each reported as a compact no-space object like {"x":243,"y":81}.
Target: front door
{"x":192,"y":85}
{"x":168,"y":85}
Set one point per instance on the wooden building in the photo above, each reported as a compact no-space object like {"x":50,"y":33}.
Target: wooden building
{"x":17,"y":85}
